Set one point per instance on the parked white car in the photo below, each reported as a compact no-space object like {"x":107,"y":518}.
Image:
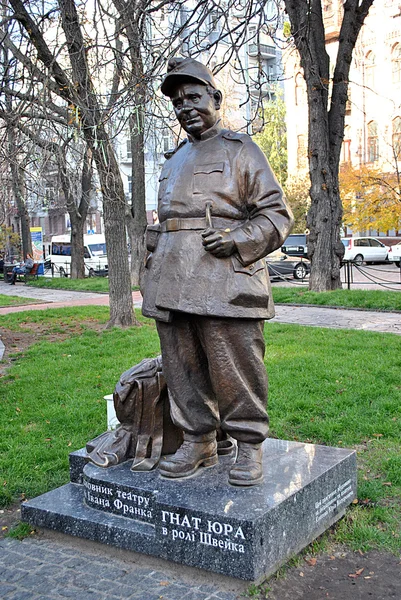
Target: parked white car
{"x":95,"y":255}
{"x":364,"y":249}
{"x":394,"y":254}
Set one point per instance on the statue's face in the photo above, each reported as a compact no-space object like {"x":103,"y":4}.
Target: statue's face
{"x":195,"y":109}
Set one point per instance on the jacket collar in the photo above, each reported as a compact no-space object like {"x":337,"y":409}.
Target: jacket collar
{"x":208,"y":134}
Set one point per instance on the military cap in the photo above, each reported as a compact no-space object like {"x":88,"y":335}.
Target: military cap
{"x":183,"y":69}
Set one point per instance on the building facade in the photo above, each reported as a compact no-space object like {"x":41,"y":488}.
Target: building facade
{"x":372,"y":133}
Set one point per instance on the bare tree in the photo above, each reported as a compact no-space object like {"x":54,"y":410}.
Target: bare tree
{"x":14,"y":154}
{"x":19,"y":190}
{"x":76,"y":87}
{"x":326,"y":127}
{"x":42,"y":138}
{"x":75,"y":175}
{"x":120,"y":34}
{"x":146,"y":34}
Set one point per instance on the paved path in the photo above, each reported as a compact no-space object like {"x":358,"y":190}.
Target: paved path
{"x":301,"y":315}
{"x":52,"y":566}
{"x":47,"y":298}
{"x":339,"y":318}
{"x":56,"y":567}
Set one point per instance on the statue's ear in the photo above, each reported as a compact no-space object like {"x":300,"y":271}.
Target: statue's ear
{"x":218,"y":98}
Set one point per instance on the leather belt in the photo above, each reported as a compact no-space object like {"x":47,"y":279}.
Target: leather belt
{"x":177,"y":224}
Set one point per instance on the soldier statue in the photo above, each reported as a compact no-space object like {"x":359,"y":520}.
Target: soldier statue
{"x":221,"y":211}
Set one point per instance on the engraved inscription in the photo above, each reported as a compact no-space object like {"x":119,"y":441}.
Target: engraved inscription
{"x":120,"y":502}
{"x":335,"y":499}
{"x":224,"y":536}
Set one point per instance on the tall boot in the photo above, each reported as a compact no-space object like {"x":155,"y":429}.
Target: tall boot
{"x":247,"y":469}
{"x":194,"y":452}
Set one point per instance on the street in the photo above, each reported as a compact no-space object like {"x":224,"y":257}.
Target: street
{"x":367,"y":277}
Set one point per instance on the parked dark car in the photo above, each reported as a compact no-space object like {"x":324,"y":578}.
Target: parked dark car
{"x":296,"y":245}
{"x":280,"y":265}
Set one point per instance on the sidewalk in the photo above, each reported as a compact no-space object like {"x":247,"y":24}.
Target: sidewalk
{"x":317,"y":316}
{"x":47,"y":298}
{"x":339,"y":318}
{"x":49,"y":566}
{"x":53,"y":566}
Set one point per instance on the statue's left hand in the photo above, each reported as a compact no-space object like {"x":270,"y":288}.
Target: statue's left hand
{"x":218,"y":242}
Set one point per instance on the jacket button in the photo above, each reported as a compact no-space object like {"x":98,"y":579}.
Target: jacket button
{"x":251,"y":267}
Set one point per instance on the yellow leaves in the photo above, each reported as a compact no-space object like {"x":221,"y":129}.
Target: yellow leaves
{"x":371,"y":199}
{"x":357,"y":573}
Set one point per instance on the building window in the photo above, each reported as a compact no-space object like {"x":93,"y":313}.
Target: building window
{"x":370,"y":65}
{"x":129,"y":149}
{"x":348,"y":103}
{"x":299,"y":89}
{"x":373,"y":142}
{"x":396,"y":138}
{"x":396,"y":64}
{"x":328,"y":13}
{"x":214,"y":19}
{"x":49,"y":200}
{"x":252,"y":31}
{"x":346,"y":145}
{"x":167,"y":143}
{"x":302,"y":154}
{"x":130,"y":184}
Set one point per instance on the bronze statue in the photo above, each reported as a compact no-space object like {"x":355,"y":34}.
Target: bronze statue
{"x":221,"y":211}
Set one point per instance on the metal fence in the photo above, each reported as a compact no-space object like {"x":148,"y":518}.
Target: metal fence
{"x":386,"y":276}
{"x":64,"y":270}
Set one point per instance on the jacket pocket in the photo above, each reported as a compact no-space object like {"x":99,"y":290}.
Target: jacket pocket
{"x":248,"y":286}
{"x":207,"y":177}
{"x":251,"y":269}
{"x":152,"y":236}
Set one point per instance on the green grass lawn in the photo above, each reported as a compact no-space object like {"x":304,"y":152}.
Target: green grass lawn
{"x":89,"y":284}
{"x":15,"y":300}
{"x":365,"y":299}
{"x":368,"y":299}
{"x":330,"y":387}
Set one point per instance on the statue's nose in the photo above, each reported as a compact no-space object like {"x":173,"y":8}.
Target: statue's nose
{"x":187,"y":105}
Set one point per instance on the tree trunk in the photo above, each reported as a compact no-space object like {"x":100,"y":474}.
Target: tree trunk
{"x":121,"y":305}
{"x":78,"y":212}
{"x":77,"y":245}
{"x":326,"y":128}
{"x":131,"y":16}
{"x":18,"y":187}
{"x":24,"y":220}
{"x":136,"y":221}
{"x":120,"y":293}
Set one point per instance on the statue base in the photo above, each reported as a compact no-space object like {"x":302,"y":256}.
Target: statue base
{"x":203,"y":521}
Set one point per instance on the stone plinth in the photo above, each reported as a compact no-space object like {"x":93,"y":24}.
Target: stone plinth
{"x":203,"y":521}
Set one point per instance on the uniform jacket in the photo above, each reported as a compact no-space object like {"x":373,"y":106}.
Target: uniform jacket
{"x":229,"y":171}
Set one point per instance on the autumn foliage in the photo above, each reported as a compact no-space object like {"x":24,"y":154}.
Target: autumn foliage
{"x":371,"y":199}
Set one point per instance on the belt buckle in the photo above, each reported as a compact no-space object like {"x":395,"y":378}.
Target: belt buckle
{"x":173,"y":224}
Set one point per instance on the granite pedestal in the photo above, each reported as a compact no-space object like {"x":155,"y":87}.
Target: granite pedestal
{"x":202,"y":521}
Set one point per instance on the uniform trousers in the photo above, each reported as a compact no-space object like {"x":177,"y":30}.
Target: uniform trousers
{"x":215,"y":375}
